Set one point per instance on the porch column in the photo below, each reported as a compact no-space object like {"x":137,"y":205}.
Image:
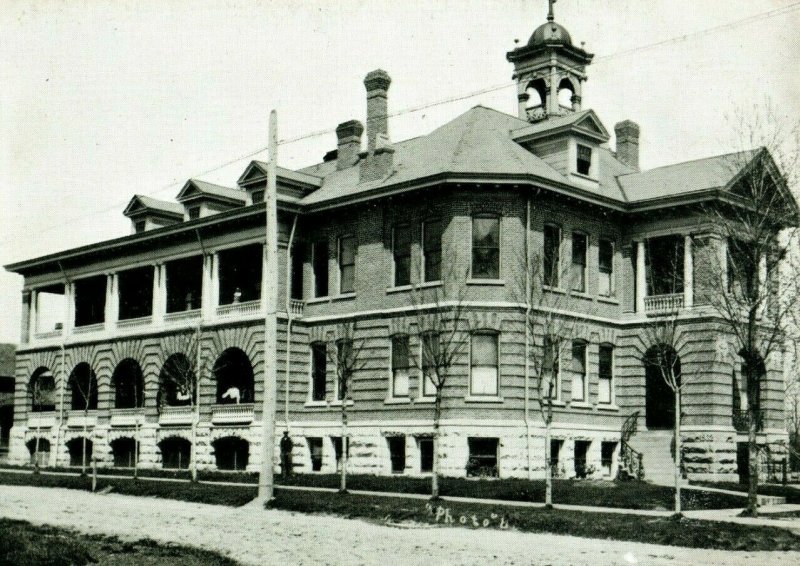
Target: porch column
{"x":112,"y":301}
{"x":205,"y":292}
{"x":688,"y":272}
{"x":263,"y":296}
{"x":159,"y":293}
{"x":33,"y":314}
{"x":26,"y":317}
{"x":641,"y":281}
{"x":69,"y":308}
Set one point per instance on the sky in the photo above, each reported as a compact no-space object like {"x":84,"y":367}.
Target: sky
{"x":102,"y":99}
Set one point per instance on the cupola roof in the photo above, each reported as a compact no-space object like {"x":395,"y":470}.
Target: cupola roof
{"x":550,"y":33}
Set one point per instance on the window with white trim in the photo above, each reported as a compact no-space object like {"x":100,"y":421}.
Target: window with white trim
{"x":584,"y":161}
{"x":551,"y":255}
{"x":486,"y":247}
{"x":550,"y":385}
{"x":484,"y":368}
{"x":319,"y":258}
{"x":579,"y":247}
{"x":400,"y":366}
{"x":605,"y":282}
{"x":432,"y":250}
{"x":319,"y":370}
{"x":429,"y":356}
{"x":606,"y":374}
{"x":579,"y":380}
{"x":401,"y":249}
{"x":347,"y":264}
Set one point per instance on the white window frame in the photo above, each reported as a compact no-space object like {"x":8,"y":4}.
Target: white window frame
{"x":612,"y":288}
{"x":585,"y":262}
{"x":423,"y":257}
{"x":486,"y":216}
{"x":496,"y":336}
{"x":314,"y":250}
{"x":423,"y":379}
{"x":394,"y":258}
{"x":585,"y":388}
{"x":340,"y":266}
{"x":611,"y":397}
{"x":557,"y":341}
{"x":392,"y":393}
{"x":558,"y":258}
{"x":311,"y":368}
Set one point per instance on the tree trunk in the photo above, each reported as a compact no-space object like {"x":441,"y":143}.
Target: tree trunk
{"x":36,"y":449}
{"x":752,"y":448}
{"x":94,"y":474}
{"x":83,"y":441}
{"x":193,"y":449}
{"x":136,"y":449}
{"x":437,"y":411}
{"x":343,"y":459}
{"x":548,"y":471}
{"x":677,"y":451}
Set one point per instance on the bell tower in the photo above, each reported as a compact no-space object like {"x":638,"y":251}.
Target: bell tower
{"x":549,"y":71}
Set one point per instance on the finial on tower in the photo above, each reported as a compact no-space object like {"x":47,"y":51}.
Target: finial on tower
{"x":550,"y":16}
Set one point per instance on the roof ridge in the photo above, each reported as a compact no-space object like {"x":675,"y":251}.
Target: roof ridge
{"x":710,"y":157}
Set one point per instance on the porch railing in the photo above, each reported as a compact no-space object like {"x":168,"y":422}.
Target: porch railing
{"x":181,"y":316}
{"x":134,"y":322}
{"x":89,"y":328}
{"x":631,"y":461}
{"x":296,"y":307}
{"x":176,"y":415}
{"x":663,"y":303}
{"x":41,"y":420}
{"x":127,"y":417}
{"x":240,"y":413}
{"x":79,"y":418}
{"x":239,"y":309}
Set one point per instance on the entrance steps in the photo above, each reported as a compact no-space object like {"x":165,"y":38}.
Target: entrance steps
{"x":656,"y":455}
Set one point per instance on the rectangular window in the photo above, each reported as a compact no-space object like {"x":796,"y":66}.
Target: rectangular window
{"x":402,"y":255}
{"x":298,"y":260}
{"x":606,"y":373}
{"x":551,"y":255}
{"x":400,"y":366}
{"x":584,"y":163}
{"x":344,"y":360}
{"x":320,"y":263}
{"x":555,"y":455}
{"x":135,"y":290}
{"x":432,"y":250}
{"x":550,"y":386}
{"x":579,"y":245}
{"x":485,"y":248}
{"x":484,"y":365}
{"x":319,"y":371}
{"x":258,"y":196}
{"x":664,"y":265}
{"x":482,"y":460}
{"x":347,"y":264}
{"x":581,"y":453}
{"x":430,"y":357}
{"x":579,"y":371}
{"x":606,"y":268}
{"x":139,"y":226}
{"x":607,"y":450}
{"x":397,"y":453}
{"x":425,"y":455}
{"x":315,"y":449}
{"x":194,"y":213}
{"x":337,"y":450}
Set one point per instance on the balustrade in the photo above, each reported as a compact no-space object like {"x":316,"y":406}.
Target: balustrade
{"x":233,"y":309}
{"x":176,"y":415}
{"x":663,"y":303}
{"x":127,"y":417}
{"x":234,"y":413}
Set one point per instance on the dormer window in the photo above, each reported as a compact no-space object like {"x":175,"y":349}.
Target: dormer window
{"x":258,"y":196}
{"x":584,"y":163}
{"x":139,"y":226}
{"x":194,"y":213}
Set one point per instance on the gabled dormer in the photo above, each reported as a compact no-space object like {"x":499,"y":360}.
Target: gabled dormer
{"x":292,"y":185}
{"x":570,"y":144}
{"x":147,"y":213}
{"x":201,"y":199}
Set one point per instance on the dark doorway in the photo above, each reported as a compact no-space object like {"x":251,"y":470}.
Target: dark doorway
{"x":231,"y":453}
{"x":128,"y":385}
{"x":40,"y":453}
{"x":175,"y":453}
{"x":659,"y":398}
{"x":124,"y":450}
{"x":76,"y":447}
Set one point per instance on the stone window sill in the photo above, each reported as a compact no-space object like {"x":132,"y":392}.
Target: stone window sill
{"x":610,"y":300}
{"x":397,"y":401}
{"x":402,"y":288}
{"x":495,"y":282}
{"x":316,"y":404}
{"x":344,"y":297}
{"x":607,"y":407}
{"x":483,"y":399}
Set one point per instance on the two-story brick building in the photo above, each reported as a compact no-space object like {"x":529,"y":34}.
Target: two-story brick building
{"x":369,"y":236}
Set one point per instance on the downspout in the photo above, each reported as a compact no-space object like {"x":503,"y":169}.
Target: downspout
{"x":526,"y":416}
{"x":63,"y":367}
{"x":289,"y":316}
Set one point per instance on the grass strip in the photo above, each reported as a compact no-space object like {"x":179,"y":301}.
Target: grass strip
{"x":612,"y":526}
{"x":24,"y":543}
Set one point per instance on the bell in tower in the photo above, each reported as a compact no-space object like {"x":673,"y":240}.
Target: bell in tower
{"x":549,"y":71}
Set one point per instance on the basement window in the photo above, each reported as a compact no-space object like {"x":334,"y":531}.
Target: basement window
{"x":315,"y":449}
{"x":90,"y":300}
{"x":482,"y":460}
{"x":425,"y":455}
{"x":337,"y":450}
{"x":240,"y":274}
{"x":184,"y":284}
{"x":607,"y":457}
{"x":581,"y":453}
{"x":555,"y":455}
{"x":397,"y":453}
{"x":584,"y":163}
{"x":136,"y":293}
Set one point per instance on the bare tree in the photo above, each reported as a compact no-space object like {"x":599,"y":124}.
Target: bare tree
{"x":181,"y":379}
{"x":84,"y":384}
{"x":38,"y":395}
{"x":545,"y":286}
{"x":344,"y":352}
{"x":440,"y":329}
{"x":666,"y":346}
{"x":748,"y":287}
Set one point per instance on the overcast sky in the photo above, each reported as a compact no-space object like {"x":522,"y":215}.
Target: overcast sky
{"x":100,"y":100}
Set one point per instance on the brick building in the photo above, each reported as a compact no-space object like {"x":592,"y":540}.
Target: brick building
{"x":372,"y":234}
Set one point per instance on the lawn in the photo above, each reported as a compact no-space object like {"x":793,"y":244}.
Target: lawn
{"x":612,"y":526}
{"x":23,"y":543}
{"x":792,"y":494}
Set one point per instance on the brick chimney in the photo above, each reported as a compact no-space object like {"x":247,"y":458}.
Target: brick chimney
{"x":627,"y":133}
{"x":378,"y":159}
{"x":348,"y":135}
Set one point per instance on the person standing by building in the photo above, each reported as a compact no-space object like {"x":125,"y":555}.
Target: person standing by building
{"x":286,"y":454}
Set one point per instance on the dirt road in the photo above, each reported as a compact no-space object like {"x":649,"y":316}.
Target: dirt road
{"x":255,"y":536}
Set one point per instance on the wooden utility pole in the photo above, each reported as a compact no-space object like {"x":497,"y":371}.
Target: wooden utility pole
{"x":265,"y":478}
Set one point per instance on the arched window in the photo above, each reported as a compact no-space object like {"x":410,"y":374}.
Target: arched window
{"x":40,"y":452}
{"x":234,"y":375}
{"x":537,"y":99}
{"x":77,"y":447}
{"x":128,"y":383}
{"x":662,"y":367}
{"x":83,"y":384}
{"x":175,"y":453}
{"x":125,"y":451}
{"x":176,"y":382}
{"x":566,"y":93}
{"x":42,"y":391}
{"x":231,"y":453}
